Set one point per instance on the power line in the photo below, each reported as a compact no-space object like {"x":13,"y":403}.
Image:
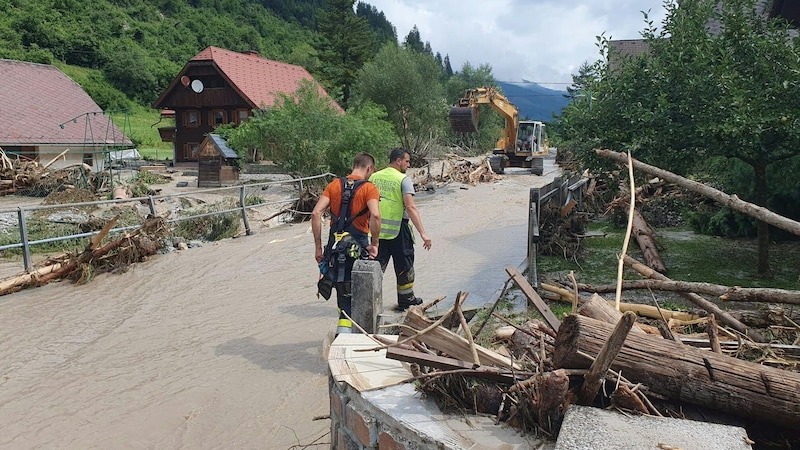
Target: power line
{"x":534,"y":82}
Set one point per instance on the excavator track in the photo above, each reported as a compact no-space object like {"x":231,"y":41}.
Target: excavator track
{"x":463,"y":119}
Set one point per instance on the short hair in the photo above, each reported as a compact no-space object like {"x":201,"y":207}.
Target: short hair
{"x":363,"y":160}
{"x":398,"y":152}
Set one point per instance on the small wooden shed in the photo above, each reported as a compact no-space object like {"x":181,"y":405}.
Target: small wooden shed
{"x":216,"y":163}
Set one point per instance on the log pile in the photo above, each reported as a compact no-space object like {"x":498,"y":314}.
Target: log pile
{"x":602,"y":357}
{"x":102,"y":254}
{"x":31,"y":178}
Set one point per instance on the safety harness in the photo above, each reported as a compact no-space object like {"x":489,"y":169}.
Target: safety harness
{"x":342,"y":244}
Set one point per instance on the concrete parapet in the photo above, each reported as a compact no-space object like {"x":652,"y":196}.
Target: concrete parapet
{"x":367,"y":294}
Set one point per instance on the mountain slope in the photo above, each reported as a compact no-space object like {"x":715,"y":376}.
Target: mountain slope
{"x":535,"y":102}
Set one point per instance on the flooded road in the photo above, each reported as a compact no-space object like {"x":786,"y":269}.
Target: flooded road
{"x":219,"y":346}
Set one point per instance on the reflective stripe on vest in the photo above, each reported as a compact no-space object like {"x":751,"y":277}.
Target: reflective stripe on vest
{"x":388,"y":182}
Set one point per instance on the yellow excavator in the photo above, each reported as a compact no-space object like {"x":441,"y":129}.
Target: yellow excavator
{"x":523,"y":143}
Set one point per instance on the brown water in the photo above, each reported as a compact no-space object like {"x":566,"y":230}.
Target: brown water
{"x":219,"y":346}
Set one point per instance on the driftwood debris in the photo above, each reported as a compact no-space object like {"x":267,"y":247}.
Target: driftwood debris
{"x":649,"y":311}
{"x":454,"y":168}
{"x":646,"y":240}
{"x":719,"y":313}
{"x":725,"y":293}
{"x":731,"y":201}
{"x":450,"y":343}
{"x":598,"y":308}
{"x":687,"y":374}
{"x":533,"y":297}
{"x":123,"y":250}
{"x":605,"y":357}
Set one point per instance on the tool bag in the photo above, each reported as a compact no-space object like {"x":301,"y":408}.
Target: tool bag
{"x":343,"y":247}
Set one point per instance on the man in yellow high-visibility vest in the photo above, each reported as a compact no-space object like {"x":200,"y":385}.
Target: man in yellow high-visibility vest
{"x":397,"y":207}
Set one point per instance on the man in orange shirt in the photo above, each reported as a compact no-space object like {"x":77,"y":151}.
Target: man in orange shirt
{"x":353,"y":234}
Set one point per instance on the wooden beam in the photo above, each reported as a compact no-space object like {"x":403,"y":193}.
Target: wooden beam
{"x":534,"y":298}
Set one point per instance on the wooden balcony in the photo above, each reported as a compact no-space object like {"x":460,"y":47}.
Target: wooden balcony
{"x":167,"y":134}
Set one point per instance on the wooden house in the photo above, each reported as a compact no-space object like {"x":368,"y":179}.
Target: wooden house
{"x":219,"y":86}
{"x":44,"y":113}
{"x":216,"y":163}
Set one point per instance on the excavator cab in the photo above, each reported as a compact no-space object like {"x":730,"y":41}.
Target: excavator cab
{"x":530,"y":138}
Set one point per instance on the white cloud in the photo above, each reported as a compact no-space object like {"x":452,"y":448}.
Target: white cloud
{"x":543,"y":41}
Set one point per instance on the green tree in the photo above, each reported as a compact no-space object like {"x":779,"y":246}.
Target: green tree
{"x":384,"y":30}
{"x":406,"y":83}
{"x":413,"y":41}
{"x":704,"y":104}
{"x":306,"y":135}
{"x":347,"y":43}
{"x":448,"y":69}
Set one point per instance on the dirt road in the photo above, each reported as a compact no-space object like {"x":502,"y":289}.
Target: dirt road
{"x":219,"y":346}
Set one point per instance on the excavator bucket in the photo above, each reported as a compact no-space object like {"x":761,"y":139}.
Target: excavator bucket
{"x":464,"y":119}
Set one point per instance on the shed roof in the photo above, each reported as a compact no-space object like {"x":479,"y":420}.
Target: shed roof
{"x":222,"y":145}
{"x":41,"y":105}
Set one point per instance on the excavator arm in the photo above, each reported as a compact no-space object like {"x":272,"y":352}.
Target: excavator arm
{"x":464,"y":116}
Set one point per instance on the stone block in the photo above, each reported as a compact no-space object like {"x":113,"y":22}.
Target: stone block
{"x":367,"y":294}
{"x":598,"y":429}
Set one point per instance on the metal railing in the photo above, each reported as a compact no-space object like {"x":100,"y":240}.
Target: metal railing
{"x":237,"y":195}
{"x":561,"y":191}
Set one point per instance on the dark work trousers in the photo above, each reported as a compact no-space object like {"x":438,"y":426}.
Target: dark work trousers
{"x":344,"y":289}
{"x":401,"y":251}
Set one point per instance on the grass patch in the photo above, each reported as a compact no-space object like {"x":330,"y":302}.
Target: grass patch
{"x":688,"y":257}
{"x":141,"y":125}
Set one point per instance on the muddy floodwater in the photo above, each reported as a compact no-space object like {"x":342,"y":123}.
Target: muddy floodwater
{"x":220,"y":346}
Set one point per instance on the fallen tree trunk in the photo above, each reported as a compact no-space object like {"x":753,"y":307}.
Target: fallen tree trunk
{"x":647,"y":242}
{"x":686,"y":374}
{"x":731,"y":201}
{"x":722,"y":315}
{"x":725,"y":293}
{"x":652,"y":312}
{"x":26,"y":279}
{"x":599,"y":309}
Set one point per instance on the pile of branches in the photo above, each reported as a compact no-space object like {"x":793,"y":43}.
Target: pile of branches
{"x":599,"y":356}
{"x":28,"y":177}
{"x":100,"y":255}
{"x":453,"y":168}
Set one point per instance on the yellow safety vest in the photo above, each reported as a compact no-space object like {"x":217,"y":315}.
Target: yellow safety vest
{"x":388,"y":182}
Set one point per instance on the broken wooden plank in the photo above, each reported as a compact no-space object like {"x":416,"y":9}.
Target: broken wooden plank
{"x":533,"y":297}
{"x":448,"y":342}
{"x":597,"y":371}
{"x":446,"y":363}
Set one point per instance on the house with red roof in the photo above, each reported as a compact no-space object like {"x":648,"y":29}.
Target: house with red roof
{"x":44,"y":113}
{"x":219,"y":86}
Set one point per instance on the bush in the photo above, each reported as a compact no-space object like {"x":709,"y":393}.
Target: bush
{"x":209,"y":228}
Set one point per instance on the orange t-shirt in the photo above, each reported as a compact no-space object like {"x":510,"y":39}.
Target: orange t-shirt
{"x":359,"y":201}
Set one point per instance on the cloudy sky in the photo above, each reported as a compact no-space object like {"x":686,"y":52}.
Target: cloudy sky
{"x":543,"y":41}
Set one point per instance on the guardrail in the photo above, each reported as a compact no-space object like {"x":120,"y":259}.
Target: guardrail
{"x":562,"y":191}
{"x":238,"y":194}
